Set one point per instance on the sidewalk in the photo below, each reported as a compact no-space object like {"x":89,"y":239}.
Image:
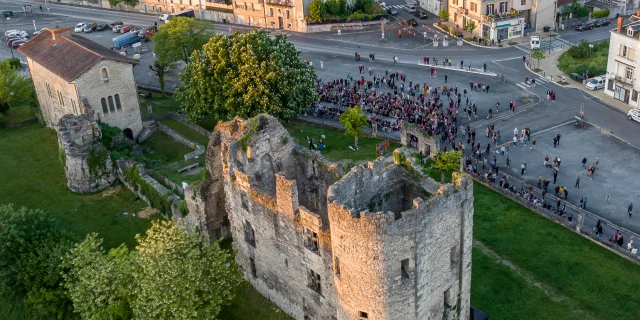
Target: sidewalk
{"x":549,"y":69}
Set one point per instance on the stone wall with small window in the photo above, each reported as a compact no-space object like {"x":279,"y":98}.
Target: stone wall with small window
{"x":111,"y":91}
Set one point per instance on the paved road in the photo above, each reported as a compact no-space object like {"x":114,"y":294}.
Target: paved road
{"x":539,"y":114}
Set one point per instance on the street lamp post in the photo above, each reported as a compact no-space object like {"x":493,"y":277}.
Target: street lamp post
{"x":5,"y":31}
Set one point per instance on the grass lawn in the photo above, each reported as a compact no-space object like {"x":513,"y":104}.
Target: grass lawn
{"x":159,"y":104}
{"x":580,"y":59}
{"x":171,"y":172}
{"x":337,"y":144}
{"x":185,"y":131}
{"x":165,"y":150}
{"x":20,"y":113}
{"x":596,"y":280}
{"x":32,"y":176}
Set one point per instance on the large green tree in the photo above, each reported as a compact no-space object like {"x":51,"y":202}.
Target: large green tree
{"x":179,"y":276}
{"x":446,"y":161}
{"x":245,"y":74}
{"x":100,"y":285}
{"x":354,"y":122}
{"x":179,"y":38}
{"x":31,"y":247}
{"x":317,"y":11}
{"x":13,"y":86}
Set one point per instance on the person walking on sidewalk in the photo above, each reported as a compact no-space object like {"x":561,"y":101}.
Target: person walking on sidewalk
{"x":629,"y":209}
{"x":578,"y":182}
{"x":484,"y":67}
{"x":598,"y":228}
{"x":584,"y":203}
{"x":395,"y":59}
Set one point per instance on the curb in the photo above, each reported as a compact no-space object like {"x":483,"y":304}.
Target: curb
{"x":435,"y":25}
{"x":474,"y":71}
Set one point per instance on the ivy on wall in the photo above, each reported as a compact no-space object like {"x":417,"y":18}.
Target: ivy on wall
{"x":156,"y":199}
{"x":97,"y":161}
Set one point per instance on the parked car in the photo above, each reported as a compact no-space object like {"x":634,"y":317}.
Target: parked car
{"x":634,"y":114}
{"x":163,"y":17}
{"x":149,"y":32}
{"x":90,"y":27}
{"x":102,"y":27}
{"x":392,"y":11}
{"x":16,"y":33}
{"x":585,"y":26}
{"x":79,"y":27}
{"x":420,"y":14}
{"x":18,"y":43}
{"x":602,"y":23}
{"x":412,"y":22}
{"x":117,"y":28}
{"x":126,"y":29}
{"x":10,"y":41}
{"x":35,"y":33}
{"x":7,"y":13}
{"x":596,"y":83}
{"x":125,"y":40}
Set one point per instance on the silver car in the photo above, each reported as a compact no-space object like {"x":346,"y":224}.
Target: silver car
{"x":634,"y":114}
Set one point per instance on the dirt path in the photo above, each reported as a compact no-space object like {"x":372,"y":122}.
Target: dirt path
{"x":550,"y":292}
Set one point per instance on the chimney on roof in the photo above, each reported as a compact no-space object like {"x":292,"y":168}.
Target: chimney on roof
{"x":59,"y":32}
{"x":619,"y":27}
{"x":638,"y":13}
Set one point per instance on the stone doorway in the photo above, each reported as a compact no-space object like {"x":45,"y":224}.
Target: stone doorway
{"x":128,"y":133}
{"x":413,"y":141}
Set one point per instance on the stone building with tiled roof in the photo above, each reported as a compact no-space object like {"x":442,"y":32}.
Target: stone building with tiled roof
{"x":72,"y":74}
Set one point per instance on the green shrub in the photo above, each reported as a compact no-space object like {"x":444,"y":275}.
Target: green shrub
{"x":582,"y":59}
{"x":13,"y":62}
{"x":600,"y":14}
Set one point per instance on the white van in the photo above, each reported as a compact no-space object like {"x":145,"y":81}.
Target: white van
{"x":596,"y":83}
{"x":535,"y":42}
{"x":410,"y":8}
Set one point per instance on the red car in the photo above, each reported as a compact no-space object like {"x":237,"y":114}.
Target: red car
{"x":126,"y":29}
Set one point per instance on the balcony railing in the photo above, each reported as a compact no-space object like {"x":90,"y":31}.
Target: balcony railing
{"x":622,"y":79}
{"x":505,"y":16}
{"x":285,"y":3}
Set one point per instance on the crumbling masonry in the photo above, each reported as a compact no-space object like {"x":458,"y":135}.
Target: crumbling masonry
{"x":381,"y":242}
{"x":86,"y":162}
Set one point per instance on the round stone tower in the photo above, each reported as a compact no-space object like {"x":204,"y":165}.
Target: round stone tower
{"x":86,"y":162}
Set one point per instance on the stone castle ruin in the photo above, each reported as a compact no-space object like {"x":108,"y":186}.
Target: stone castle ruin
{"x":86,"y":162}
{"x":379,"y":242}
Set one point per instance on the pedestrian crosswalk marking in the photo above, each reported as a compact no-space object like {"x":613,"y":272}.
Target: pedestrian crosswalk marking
{"x":521,"y":85}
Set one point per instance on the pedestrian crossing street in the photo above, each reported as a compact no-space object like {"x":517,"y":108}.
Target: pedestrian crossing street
{"x":539,"y":80}
{"x":398,"y":6}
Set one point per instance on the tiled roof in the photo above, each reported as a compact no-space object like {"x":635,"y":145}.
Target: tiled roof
{"x":67,"y":55}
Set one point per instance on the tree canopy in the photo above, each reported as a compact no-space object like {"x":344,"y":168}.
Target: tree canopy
{"x":443,"y":15}
{"x":446,"y":161}
{"x":317,"y":11}
{"x":172,"y":274}
{"x":354,"y":122}
{"x":13,"y":86}
{"x":179,"y":38}
{"x":245,"y":74}
{"x":31,"y":247}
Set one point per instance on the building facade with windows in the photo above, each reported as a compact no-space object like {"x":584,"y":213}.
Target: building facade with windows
{"x":622,"y":64}
{"x":499,"y":20}
{"x":70,"y":71}
{"x":274,"y":14}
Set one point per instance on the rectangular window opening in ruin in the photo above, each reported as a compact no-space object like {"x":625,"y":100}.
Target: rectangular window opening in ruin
{"x":249,"y":235}
{"x":314,"y":281}
{"x":397,"y":215}
{"x":362,"y":315}
{"x":454,"y":256}
{"x":447,"y":298}
{"x":337,"y":267}
{"x":254,"y":271}
{"x":405,"y":269}
{"x":245,"y":201}
{"x":311,"y":240}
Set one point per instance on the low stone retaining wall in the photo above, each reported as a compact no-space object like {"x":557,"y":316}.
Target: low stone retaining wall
{"x":174,"y":186}
{"x":20,"y":124}
{"x":346,"y":26}
{"x":192,"y":126}
{"x":576,"y":225}
{"x":178,"y":137}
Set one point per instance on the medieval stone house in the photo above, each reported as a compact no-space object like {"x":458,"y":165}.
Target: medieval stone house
{"x":70,"y":71}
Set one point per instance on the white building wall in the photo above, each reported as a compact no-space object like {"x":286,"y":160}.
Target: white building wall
{"x":617,"y":65}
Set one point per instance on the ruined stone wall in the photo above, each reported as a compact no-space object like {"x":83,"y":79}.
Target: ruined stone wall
{"x":426,"y":144}
{"x":86,"y":162}
{"x":401,"y":258}
{"x":372,"y":244}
